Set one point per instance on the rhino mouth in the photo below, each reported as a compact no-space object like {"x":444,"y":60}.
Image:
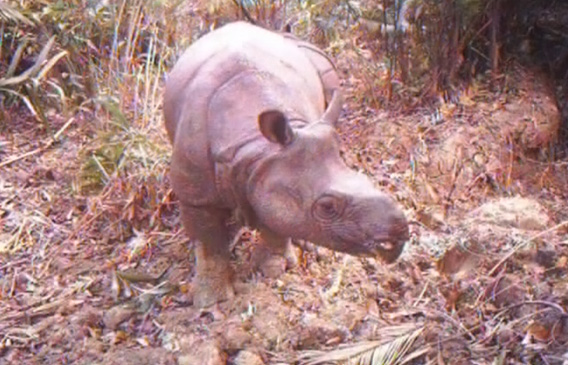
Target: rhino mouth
{"x":388,"y":246}
{"x":387,"y":250}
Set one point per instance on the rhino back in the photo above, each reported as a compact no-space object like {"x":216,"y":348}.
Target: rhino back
{"x":215,"y":93}
{"x":214,"y":60}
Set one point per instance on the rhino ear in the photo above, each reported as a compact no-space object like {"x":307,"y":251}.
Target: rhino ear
{"x":275,"y":128}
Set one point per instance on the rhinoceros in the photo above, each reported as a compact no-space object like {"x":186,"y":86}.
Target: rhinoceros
{"x":251,"y":114}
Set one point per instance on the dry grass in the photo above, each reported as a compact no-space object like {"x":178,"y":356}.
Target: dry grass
{"x":94,"y":266}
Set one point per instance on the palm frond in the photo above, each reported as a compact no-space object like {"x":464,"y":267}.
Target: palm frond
{"x":9,"y":13}
{"x":393,"y":351}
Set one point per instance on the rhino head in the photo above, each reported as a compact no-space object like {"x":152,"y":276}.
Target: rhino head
{"x":304,"y":190}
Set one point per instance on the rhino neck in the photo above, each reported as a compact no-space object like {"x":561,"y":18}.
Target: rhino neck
{"x":235,"y":172}
{"x":236,"y":144}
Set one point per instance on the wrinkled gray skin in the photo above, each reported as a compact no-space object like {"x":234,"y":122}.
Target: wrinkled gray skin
{"x":251,"y":115}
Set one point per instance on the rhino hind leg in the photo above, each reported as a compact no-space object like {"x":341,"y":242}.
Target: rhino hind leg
{"x":213,"y":281}
{"x":274,"y":254}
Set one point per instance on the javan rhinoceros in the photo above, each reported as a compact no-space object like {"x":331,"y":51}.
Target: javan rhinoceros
{"x":251,"y":116}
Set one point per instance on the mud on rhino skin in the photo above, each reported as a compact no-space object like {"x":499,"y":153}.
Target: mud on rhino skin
{"x":251,"y":115}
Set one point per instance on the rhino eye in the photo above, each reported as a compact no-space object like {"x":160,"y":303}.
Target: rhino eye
{"x":328,"y":208}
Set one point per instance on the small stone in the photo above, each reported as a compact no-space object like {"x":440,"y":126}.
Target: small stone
{"x":115,"y":316}
{"x":235,"y":336}
{"x":204,"y":353}
{"x":88,"y":317}
{"x":246,"y":357}
{"x":545,"y":258}
{"x":317,"y":331}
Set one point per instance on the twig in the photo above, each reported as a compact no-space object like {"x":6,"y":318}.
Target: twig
{"x":421,"y":294}
{"x":533,"y":302}
{"x":101,"y":167}
{"x":245,"y":11}
{"x":13,"y":263}
{"x":42,"y":310}
{"x":41,"y":149}
{"x":36,"y":66}
{"x":495,"y":285}
{"x":460,"y":325}
{"x":237,"y":238}
{"x":457,"y":169}
{"x":13,"y":159}
{"x":62,"y":129}
{"x":522,"y":244}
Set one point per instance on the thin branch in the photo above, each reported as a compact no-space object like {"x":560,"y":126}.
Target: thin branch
{"x":245,"y":11}
{"x":523,"y":244}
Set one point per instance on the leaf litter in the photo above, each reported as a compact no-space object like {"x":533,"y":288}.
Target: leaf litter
{"x":95,"y":268}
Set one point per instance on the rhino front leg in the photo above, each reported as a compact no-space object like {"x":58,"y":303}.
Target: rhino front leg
{"x":275,"y":254}
{"x":213,"y":279}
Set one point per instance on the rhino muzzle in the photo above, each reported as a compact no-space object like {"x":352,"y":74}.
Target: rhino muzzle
{"x":390,"y":247}
{"x":378,"y":229}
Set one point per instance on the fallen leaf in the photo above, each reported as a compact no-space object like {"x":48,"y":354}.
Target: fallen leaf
{"x":538,"y":331}
{"x":143,"y":341}
{"x":119,"y":337}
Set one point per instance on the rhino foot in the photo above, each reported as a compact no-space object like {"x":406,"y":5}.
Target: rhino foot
{"x":272,"y":264}
{"x":213,"y":282}
{"x":209,"y":291}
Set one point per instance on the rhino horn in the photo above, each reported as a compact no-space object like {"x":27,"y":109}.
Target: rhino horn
{"x":331,"y":115}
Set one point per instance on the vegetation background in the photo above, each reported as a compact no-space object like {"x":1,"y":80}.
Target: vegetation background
{"x":457,"y":107}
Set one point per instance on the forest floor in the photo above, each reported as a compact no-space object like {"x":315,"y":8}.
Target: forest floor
{"x":95,"y":267}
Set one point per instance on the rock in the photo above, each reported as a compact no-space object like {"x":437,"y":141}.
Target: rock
{"x":235,"y":336}
{"x":317,"y":331}
{"x":246,"y":357}
{"x":138,"y":356}
{"x":88,"y":317}
{"x":116,"y":315}
{"x":204,"y":353}
{"x":269,"y":320}
{"x":271,"y":328}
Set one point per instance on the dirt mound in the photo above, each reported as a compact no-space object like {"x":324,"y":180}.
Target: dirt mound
{"x":517,"y":212}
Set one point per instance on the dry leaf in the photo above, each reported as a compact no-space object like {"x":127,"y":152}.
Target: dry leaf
{"x":119,"y":336}
{"x":455,"y":260}
{"x":452,"y":298}
{"x":143,"y":341}
{"x":115,"y":286}
{"x":538,"y":331}
{"x":562,"y":262}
